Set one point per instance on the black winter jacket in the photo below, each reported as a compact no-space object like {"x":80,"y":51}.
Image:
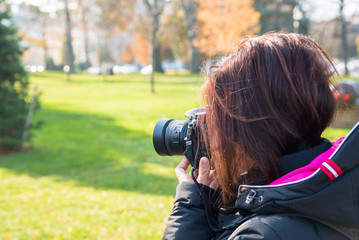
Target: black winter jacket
{"x":318,"y":207}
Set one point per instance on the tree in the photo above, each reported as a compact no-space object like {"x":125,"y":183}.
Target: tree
{"x":13,"y":85}
{"x":222,"y":22}
{"x":301,"y":21}
{"x":114,"y":18}
{"x":275,"y":14}
{"x":155,"y":8}
{"x":127,"y":55}
{"x":175,"y":31}
{"x":344,"y":36}
{"x":140,"y":49}
{"x":43,"y":18}
{"x":190,"y":9}
{"x":70,"y":58}
{"x":84,"y":12}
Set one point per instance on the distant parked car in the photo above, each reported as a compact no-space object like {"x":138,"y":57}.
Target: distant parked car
{"x":126,"y":69}
{"x":93,"y":70}
{"x":146,"y":70}
{"x":175,"y":65}
{"x":354,"y":84}
{"x":34,"y":68}
{"x":346,"y":93}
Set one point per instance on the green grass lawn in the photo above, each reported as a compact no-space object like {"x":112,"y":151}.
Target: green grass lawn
{"x":91,"y":172}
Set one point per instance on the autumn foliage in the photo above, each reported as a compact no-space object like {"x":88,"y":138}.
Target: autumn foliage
{"x":141,"y":49}
{"x":222,"y":22}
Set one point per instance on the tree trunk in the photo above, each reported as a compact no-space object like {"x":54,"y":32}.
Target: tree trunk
{"x":44,"y":46}
{"x":69,"y":49}
{"x":30,"y":112}
{"x":155,"y":26}
{"x":105,"y":56}
{"x":157,"y":59}
{"x":191,"y":19}
{"x":86,"y":35}
{"x":155,"y":9}
{"x":153,"y":43}
{"x":344,"y":38}
{"x":195,"y":63}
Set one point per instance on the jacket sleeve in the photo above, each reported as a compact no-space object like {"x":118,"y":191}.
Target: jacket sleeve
{"x":284,"y":227}
{"x":188,"y":219}
{"x":255,"y":229}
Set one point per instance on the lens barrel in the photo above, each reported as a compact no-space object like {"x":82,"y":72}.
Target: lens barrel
{"x":169,"y":136}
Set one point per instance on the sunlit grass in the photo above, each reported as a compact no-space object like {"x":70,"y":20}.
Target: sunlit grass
{"x":91,"y":172}
{"x":335,"y":133}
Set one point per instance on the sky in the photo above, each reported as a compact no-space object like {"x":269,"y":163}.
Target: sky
{"x":46,"y":5}
{"x":318,"y":10}
{"x":321,"y":10}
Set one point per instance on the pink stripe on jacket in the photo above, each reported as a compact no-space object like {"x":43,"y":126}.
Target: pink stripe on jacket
{"x":309,"y":169}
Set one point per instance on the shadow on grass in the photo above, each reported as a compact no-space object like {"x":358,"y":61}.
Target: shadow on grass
{"x":94,"y":151}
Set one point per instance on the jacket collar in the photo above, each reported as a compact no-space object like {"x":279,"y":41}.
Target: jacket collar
{"x":317,"y":196}
{"x":303,"y":157}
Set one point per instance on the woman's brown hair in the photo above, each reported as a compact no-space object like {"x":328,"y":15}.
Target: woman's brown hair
{"x":270,"y":94}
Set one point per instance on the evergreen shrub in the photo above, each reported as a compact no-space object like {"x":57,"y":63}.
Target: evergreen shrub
{"x":14,"y":84}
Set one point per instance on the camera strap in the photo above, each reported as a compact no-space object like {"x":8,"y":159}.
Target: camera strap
{"x":212,"y":212}
{"x":189,"y":151}
{"x":211,"y":216}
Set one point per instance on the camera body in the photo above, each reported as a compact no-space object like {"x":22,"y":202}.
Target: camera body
{"x":181,"y":137}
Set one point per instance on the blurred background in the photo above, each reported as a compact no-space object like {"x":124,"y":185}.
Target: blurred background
{"x":88,"y":80}
{"x":120,"y":36}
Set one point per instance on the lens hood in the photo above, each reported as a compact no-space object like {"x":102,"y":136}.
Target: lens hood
{"x":159,"y":136}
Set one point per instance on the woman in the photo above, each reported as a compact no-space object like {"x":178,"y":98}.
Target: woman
{"x":269,"y":102}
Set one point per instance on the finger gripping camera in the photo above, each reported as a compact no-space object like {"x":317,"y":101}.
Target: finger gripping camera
{"x":181,"y":137}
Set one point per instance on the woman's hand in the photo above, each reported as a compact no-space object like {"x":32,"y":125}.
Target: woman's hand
{"x":203,"y":174}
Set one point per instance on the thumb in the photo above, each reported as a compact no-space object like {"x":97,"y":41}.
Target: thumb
{"x":204,"y":169}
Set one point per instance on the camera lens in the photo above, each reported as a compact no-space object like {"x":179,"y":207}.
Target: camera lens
{"x":169,"y":135}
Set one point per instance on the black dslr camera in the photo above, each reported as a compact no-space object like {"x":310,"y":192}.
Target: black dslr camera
{"x":181,"y":137}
